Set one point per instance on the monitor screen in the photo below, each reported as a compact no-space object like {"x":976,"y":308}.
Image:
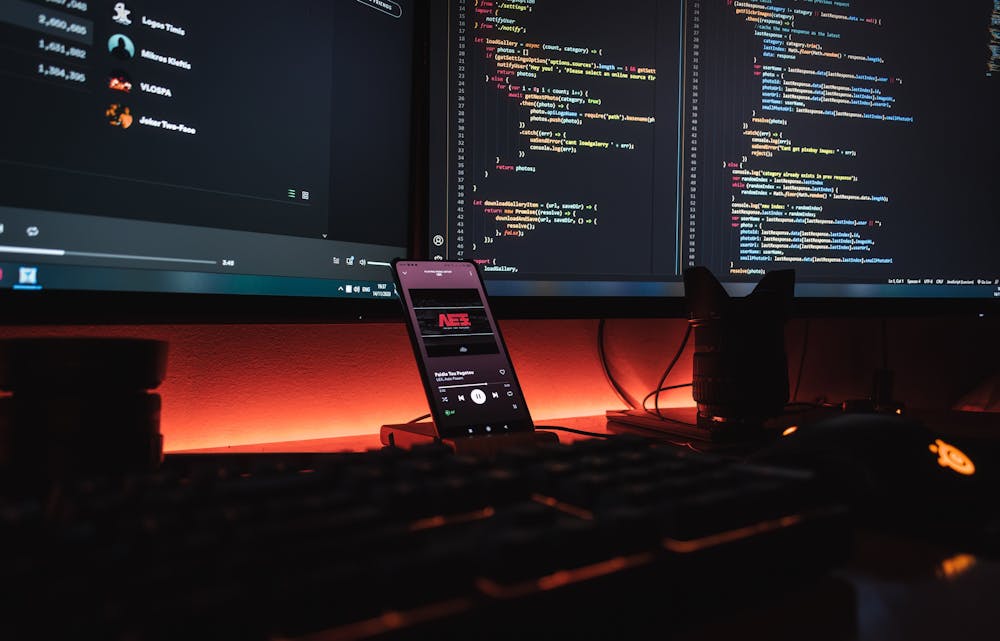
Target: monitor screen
{"x":585,"y":148}
{"x":225,"y":148}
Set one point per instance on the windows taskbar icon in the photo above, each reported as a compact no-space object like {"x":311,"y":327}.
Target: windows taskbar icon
{"x":27,"y":275}
{"x":27,"y":278}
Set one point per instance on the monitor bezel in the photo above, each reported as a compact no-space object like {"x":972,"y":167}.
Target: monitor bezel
{"x":675,"y":307}
{"x":72,"y":307}
{"x":85,"y":307}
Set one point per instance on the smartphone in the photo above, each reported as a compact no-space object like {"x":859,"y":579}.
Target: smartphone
{"x":463,"y":361}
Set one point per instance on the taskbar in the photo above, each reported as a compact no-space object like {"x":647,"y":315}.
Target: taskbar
{"x":34,"y":277}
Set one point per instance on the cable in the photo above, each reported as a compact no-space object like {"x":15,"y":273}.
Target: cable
{"x":607,"y":370}
{"x":802,"y":361}
{"x":657,"y":413}
{"x":882,"y":395}
{"x":662,"y":389}
{"x":800,"y":407}
{"x":559,"y":428}
{"x":418,"y":419}
{"x":885,"y":345}
{"x":660,"y":439}
{"x":666,"y":372}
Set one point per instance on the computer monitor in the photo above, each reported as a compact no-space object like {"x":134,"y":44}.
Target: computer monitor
{"x":586,"y":152}
{"x":192,"y":160}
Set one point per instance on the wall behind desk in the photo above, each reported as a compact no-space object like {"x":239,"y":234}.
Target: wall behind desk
{"x":243,"y":384}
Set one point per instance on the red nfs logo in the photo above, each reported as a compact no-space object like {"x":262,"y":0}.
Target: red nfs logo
{"x":458,"y":319}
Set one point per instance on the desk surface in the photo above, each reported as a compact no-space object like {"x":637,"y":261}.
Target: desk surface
{"x":947,"y":422}
{"x":362,"y":442}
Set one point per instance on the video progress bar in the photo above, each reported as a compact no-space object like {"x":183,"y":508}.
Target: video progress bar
{"x":454,"y":335}
{"x":41,"y":251}
{"x":444,"y":387}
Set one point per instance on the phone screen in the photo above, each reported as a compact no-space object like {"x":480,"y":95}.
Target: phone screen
{"x":467,"y":374}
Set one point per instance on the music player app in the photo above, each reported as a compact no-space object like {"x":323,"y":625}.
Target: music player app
{"x":466,"y":371}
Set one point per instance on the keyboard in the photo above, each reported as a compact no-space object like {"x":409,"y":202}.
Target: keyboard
{"x":598,"y":538}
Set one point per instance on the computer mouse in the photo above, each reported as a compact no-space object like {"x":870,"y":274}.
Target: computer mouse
{"x":893,"y":471}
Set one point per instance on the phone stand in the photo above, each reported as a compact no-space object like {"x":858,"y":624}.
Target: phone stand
{"x":407,"y":435}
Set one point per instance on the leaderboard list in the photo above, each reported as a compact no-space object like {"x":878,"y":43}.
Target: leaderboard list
{"x":207,"y":114}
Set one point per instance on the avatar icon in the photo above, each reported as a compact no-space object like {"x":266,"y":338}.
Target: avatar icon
{"x":119,"y":116}
{"x":120,"y":81}
{"x":121,"y":46}
{"x":121,"y":14}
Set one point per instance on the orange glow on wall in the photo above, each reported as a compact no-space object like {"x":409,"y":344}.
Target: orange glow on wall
{"x":953,"y":458}
{"x":232,"y":385}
